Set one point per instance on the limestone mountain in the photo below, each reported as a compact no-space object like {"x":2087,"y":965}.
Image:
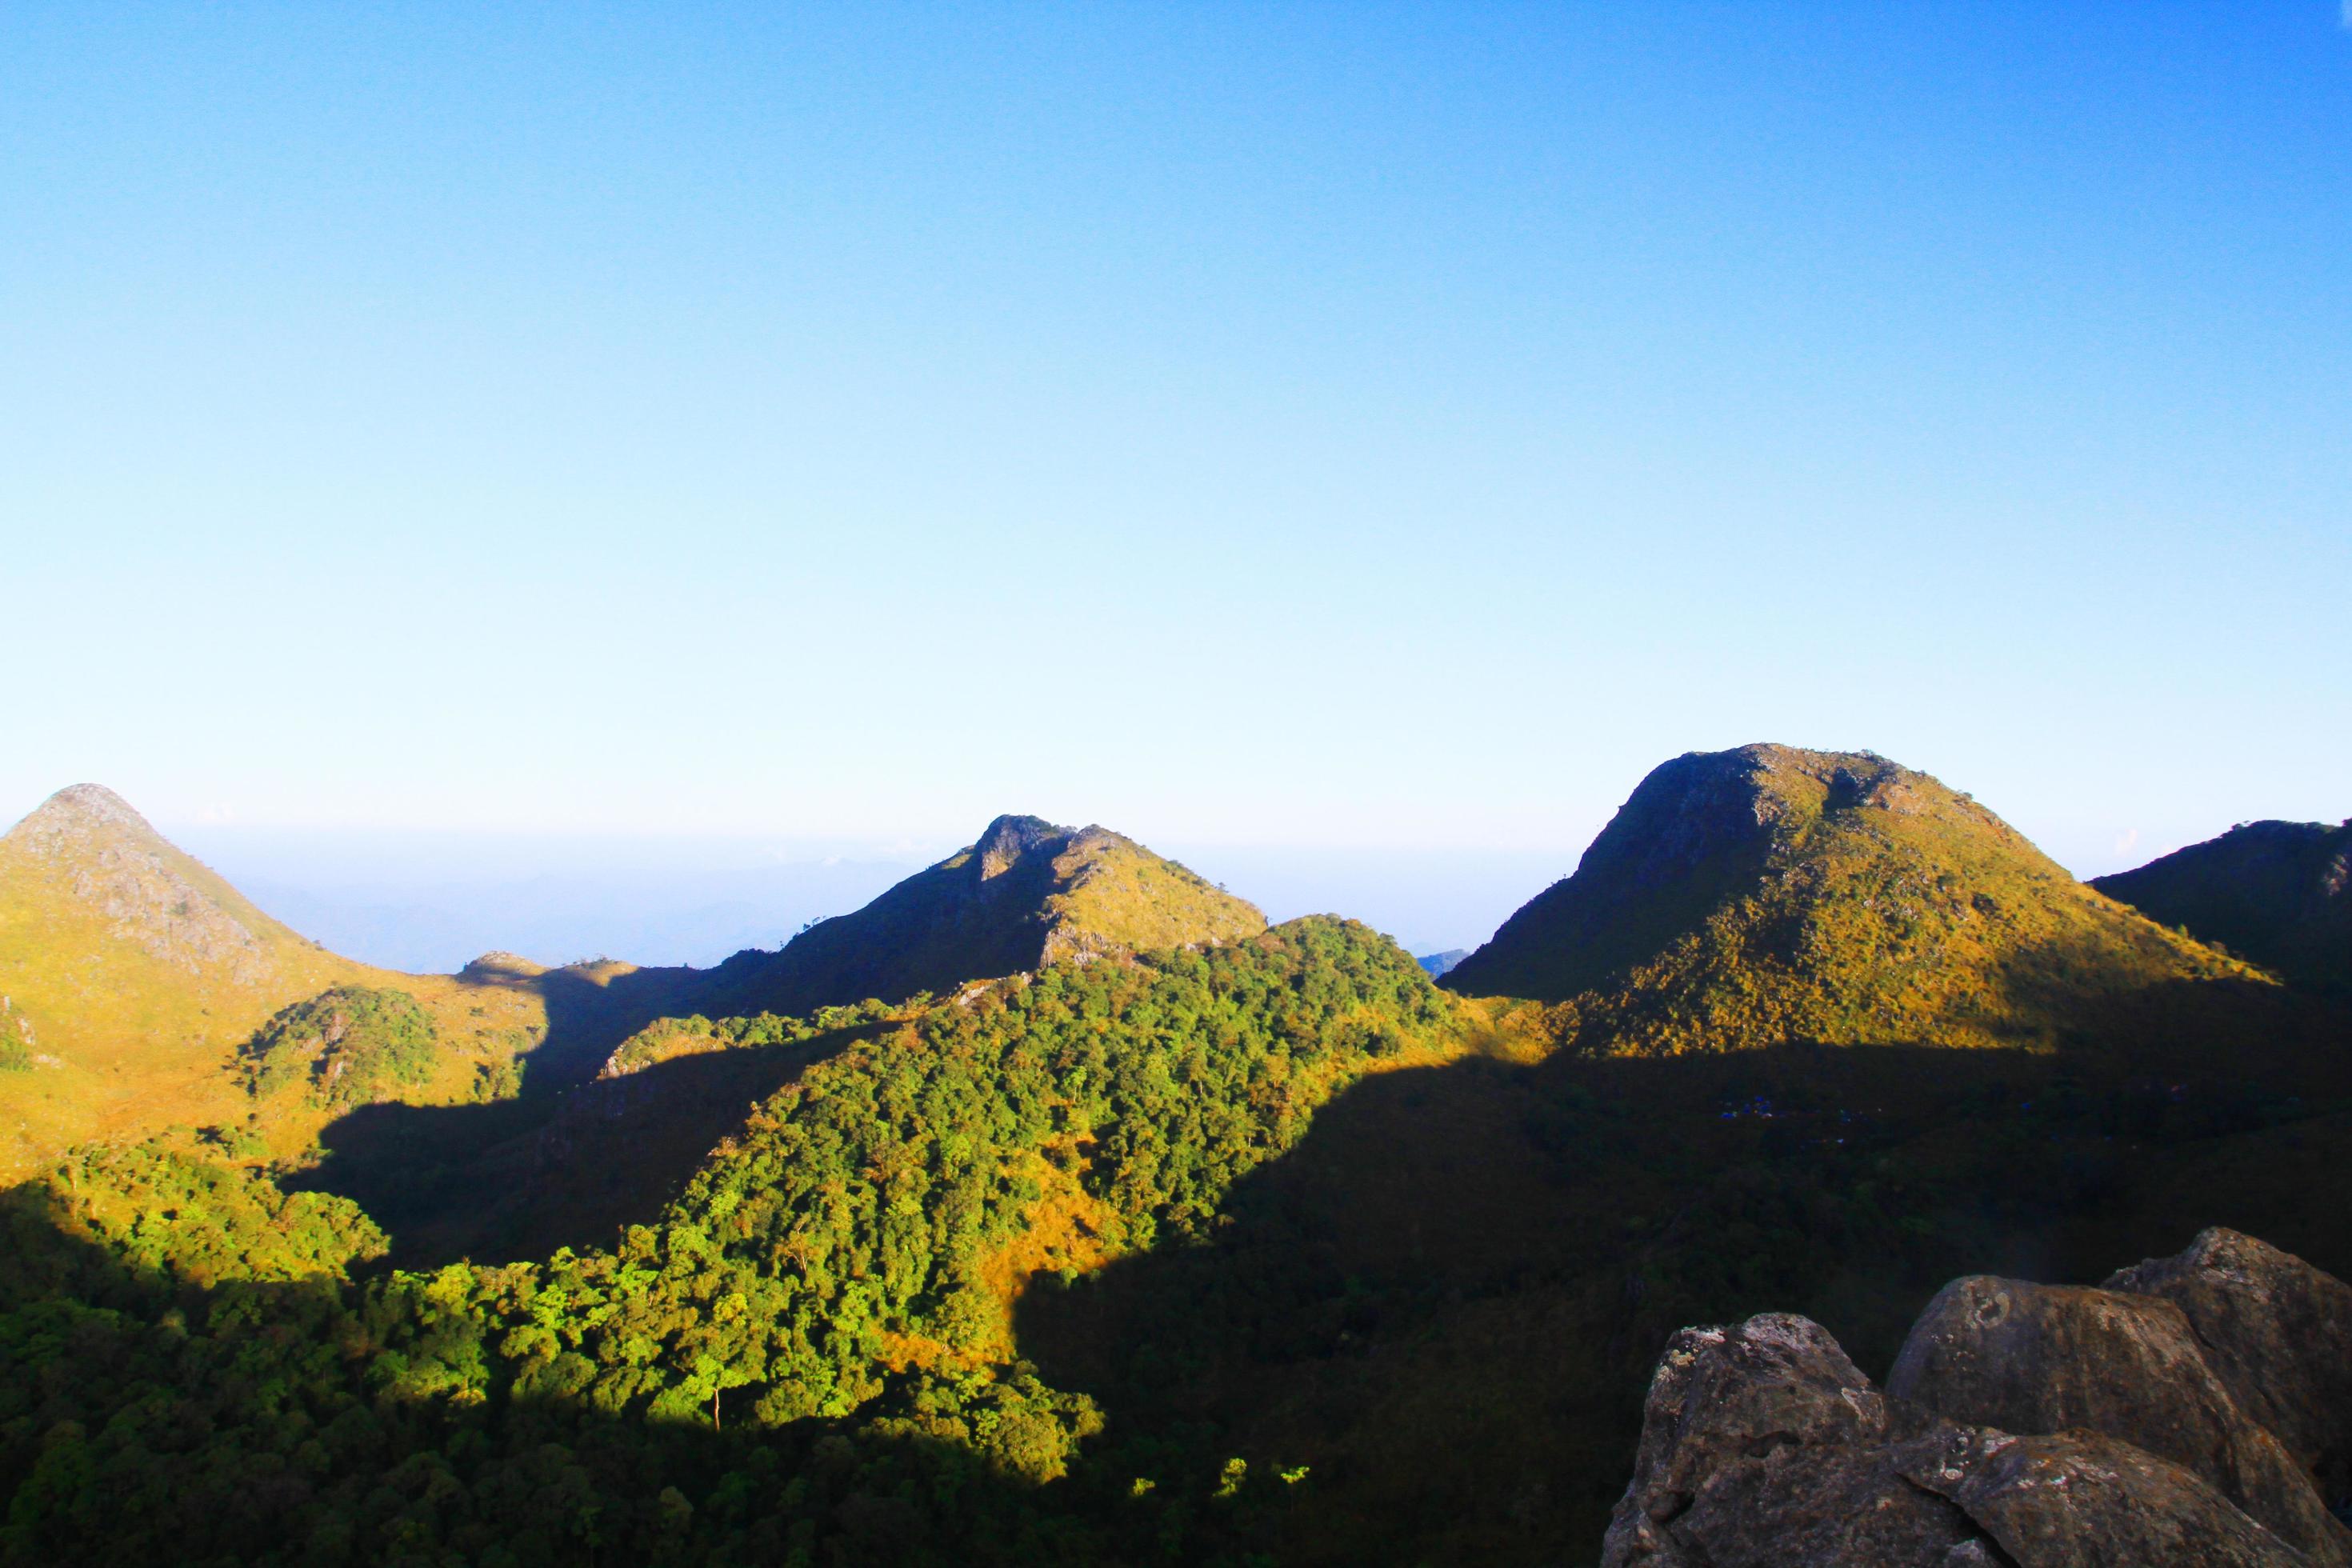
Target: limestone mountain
{"x":132,"y":976}
{"x":2277,"y":892}
{"x":1027,"y":894}
{"x":1767,"y":894}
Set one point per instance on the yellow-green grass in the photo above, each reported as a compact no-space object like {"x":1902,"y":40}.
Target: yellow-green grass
{"x":1113,"y":890}
{"x":141,"y":974}
{"x":1025,"y":894}
{"x":1770,"y":895}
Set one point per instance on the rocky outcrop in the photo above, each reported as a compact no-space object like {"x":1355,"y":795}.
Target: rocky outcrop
{"x":2276,"y":1332}
{"x":2036,"y":1360}
{"x":117,"y":867}
{"x":2081,"y":1499}
{"x":2023,"y":1424}
{"x":1764,"y":1444}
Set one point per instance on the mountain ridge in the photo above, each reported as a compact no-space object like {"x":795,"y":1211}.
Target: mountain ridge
{"x":1025,"y":893}
{"x":2277,"y":892}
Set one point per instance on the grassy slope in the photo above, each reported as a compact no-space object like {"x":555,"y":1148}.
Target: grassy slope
{"x":1110,"y":890}
{"x":143,"y":972}
{"x":1769,"y":895}
{"x":2277,"y":892}
{"x":1026,"y":893}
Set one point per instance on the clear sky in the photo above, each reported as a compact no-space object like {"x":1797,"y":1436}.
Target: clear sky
{"x":1308,"y":425}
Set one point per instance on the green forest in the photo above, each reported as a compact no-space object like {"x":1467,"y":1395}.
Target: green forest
{"x":1268,"y":1252}
{"x":807,"y":1354}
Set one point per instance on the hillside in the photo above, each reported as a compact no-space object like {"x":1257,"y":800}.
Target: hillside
{"x":1769,"y":894}
{"x":133,"y":978}
{"x":832,"y":1298}
{"x":1270,"y":1252}
{"x":1027,"y":894}
{"x":2277,"y":892}
{"x":1267,"y":1250}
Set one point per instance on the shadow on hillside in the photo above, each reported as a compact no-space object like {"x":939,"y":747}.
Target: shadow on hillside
{"x":270,"y":1432}
{"x":516,"y":1179}
{"x":1446,"y":1300}
{"x":590,"y":1010}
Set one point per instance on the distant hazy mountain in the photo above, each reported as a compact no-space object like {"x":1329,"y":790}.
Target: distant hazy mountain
{"x":429,"y":901}
{"x":2277,"y":892}
{"x":1440,"y":964}
{"x":1769,"y":894}
{"x":1027,"y":894}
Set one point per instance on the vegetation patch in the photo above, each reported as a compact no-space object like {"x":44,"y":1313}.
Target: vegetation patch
{"x":345,"y":1046}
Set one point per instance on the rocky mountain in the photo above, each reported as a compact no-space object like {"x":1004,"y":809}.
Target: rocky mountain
{"x":1025,"y":894}
{"x":1769,"y":894}
{"x":2192,"y":1410}
{"x":2277,"y":892}
{"x":136,"y":971}
{"x":132,"y":978}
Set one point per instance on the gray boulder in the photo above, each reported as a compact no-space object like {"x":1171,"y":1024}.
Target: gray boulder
{"x":2079,"y":1499}
{"x":2038,"y":1360}
{"x":2175,"y":1417}
{"x":1763,"y":1444}
{"x":2276,"y":1332}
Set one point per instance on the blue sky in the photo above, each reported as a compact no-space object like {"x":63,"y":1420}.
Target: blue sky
{"x":1310,"y":428}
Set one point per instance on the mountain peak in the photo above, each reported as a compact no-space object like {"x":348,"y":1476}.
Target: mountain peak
{"x":1770,"y":893}
{"x":1010,"y":838}
{"x":89,"y":852}
{"x":1026,"y":893}
{"x":78,"y":814}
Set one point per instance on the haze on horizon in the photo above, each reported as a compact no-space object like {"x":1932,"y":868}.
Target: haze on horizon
{"x":1332,"y":435}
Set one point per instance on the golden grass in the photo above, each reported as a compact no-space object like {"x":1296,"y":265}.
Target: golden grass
{"x":142,"y":973}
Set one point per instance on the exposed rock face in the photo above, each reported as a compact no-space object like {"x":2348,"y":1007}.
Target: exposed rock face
{"x":1763,"y":1444}
{"x":2023,"y":1425}
{"x":2276,"y":1332}
{"x":117,"y":866}
{"x":2079,"y":1499}
{"x":2036,"y":1360}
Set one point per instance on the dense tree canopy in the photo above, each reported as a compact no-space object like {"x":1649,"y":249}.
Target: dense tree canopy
{"x":811,"y":1346}
{"x":346,"y":1046}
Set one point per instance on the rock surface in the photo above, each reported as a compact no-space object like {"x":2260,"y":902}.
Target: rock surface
{"x":2080,"y":1499}
{"x":1764,"y":1444}
{"x":2023,"y":1425}
{"x":2277,"y":1332}
{"x":2037,"y":1360}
